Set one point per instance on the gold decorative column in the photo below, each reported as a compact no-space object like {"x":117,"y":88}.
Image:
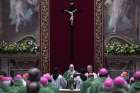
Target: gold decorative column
{"x":44,"y":27}
{"x":99,"y":34}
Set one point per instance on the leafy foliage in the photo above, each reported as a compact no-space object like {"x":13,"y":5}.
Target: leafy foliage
{"x":116,"y":48}
{"x":25,"y":47}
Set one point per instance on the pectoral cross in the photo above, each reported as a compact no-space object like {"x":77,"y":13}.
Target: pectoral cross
{"x":71,"y":11}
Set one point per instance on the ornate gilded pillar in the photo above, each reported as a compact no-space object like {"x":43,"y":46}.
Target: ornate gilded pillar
{"x":44,"y":29}
{"x":99,"y":37}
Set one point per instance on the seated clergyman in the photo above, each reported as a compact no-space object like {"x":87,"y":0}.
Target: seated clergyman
{"x":90,"y":71}
{"x":58,"y":80}
{"x":80,"y":78}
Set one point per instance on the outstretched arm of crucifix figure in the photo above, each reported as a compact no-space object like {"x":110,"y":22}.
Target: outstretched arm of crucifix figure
{"x":71,"y":15}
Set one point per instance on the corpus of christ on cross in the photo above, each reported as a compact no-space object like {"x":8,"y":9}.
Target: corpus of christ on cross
{"x":71,"y":10}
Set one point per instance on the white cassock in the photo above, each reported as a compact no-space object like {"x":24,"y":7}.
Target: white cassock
{"x":60,"y":82}
{"x":94,"y":74}
{"x":78,"y":82}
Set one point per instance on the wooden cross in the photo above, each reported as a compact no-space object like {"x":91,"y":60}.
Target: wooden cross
{"x":71,"y":11}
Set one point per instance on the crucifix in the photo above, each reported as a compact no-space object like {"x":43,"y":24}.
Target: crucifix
{"x":71,"y":11}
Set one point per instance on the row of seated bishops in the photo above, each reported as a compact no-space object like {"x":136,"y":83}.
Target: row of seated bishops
{"x":84,"y":81}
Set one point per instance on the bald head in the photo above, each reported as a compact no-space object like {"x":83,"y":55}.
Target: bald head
{"x":89,"y":68}
{"x":71,"y":67}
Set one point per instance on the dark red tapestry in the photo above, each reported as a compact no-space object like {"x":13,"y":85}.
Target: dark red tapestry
{"x":67,"y":47}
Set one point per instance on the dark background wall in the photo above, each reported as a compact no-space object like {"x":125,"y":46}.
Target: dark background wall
{"x":60,"y":34}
